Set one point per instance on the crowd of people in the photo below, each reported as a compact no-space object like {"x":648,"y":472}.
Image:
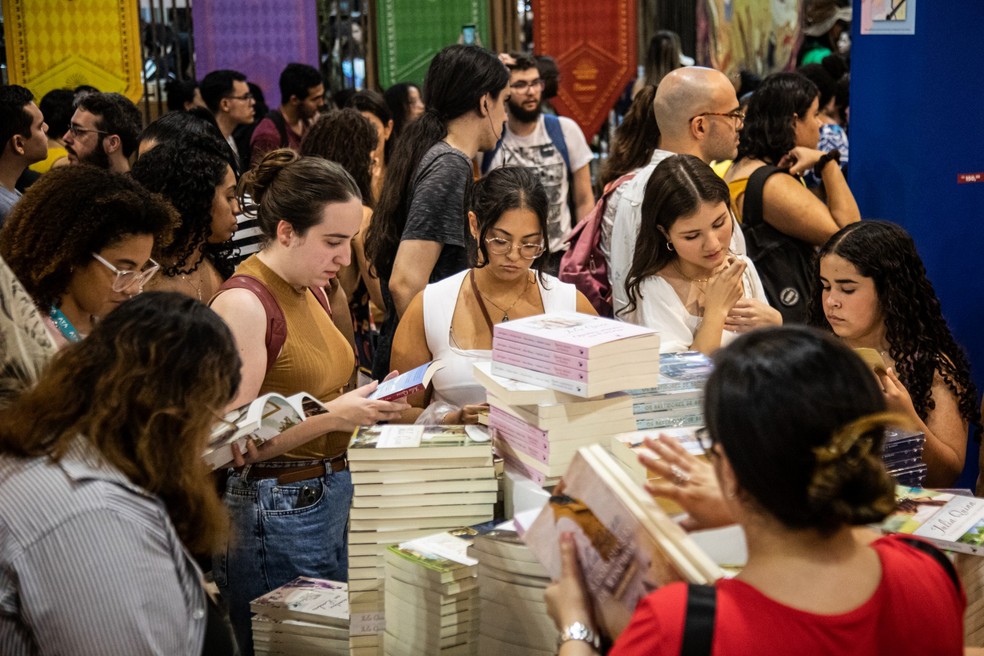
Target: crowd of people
{"x":154,"y":278}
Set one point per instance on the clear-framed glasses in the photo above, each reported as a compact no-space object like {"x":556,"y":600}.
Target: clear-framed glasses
{"x":245,"y":96}
{"x":500,"y":246}
{"x":523,"y":86}
{"x":737,"y":116}
{"x":77,"y":130}
{"x":127,"y":280}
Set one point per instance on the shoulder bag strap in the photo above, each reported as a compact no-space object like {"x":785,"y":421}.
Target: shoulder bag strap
{"x":751,"y":212}
{"x":281,"y":124}
{"x":698,"y":627}
{"x":936,"y":555}
{"x":276,"y":330}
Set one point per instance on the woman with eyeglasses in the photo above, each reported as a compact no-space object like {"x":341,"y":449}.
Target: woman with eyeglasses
{"x":452,"y":320}
{"x":104,"y":498}
{"x":196,"y":175}
{"x":80,"y":241}
{"x":782,"y":130}
{"x":684,"y":281}
{"x":795,"y":426}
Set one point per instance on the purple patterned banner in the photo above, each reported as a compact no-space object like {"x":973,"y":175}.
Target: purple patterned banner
{"x":256,"y":37}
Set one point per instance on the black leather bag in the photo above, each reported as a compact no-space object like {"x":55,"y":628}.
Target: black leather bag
{"x":784,"y":263}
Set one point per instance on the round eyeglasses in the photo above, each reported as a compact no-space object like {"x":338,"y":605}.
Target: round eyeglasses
{"x":127,"y":280}
{"x":500,"y":246}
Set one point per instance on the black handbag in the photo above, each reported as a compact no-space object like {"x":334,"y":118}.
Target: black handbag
{"x":784,"y":263}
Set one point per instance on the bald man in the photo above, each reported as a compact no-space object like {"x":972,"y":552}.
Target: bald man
{"x":698,"y":114}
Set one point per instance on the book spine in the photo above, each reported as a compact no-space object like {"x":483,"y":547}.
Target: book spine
{"x":580,"y":375}
{"x":518,"y":466}
{"x":499,"y":418}
{"x":536,"y":341}
{"x":539,"y":378}
{"x":506,"y":345}
{"x":538,"y":452}
{"x":693,"y":403}
{"x":644,"y":422}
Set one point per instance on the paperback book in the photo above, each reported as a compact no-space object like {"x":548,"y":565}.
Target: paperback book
{"x":950,"y":521}
{"x":408,"y":383}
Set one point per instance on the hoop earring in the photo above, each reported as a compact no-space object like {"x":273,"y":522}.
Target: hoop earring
{"x":669,"y":247}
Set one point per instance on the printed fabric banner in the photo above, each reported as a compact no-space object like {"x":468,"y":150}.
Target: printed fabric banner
{"x":594,"y":44}
{"x":255,"y":37}
{"x":411,"y":32}
{"x":53,"y":44}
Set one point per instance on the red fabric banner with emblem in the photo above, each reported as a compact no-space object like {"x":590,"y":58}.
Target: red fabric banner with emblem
{"x":594,"y":44}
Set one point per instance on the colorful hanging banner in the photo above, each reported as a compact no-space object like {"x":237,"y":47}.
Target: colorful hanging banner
{"x":594,"y":44}
{"x":411,"y":32}
{"x":255,"y":37}
{"x":53,"y":44}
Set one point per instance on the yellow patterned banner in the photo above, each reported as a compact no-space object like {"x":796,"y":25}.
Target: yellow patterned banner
{"x":54,"y":44}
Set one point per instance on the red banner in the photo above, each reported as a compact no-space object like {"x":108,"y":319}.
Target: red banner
{"x":594,"y":44}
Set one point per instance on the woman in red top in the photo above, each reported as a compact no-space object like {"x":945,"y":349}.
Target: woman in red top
{"x":794,"y":428}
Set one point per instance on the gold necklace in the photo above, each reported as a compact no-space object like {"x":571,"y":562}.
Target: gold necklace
{"x":505,"y":312}
{"x":481,"y":303}
{"x":676,"y":265}
{"x":197,"y":288}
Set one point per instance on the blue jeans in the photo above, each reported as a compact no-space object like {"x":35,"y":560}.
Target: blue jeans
{"x":272,"y":541}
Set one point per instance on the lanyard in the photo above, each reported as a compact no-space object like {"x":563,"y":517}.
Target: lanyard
{"x":63,"y":325}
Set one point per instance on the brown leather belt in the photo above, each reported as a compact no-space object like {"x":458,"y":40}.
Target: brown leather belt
{"x":288,"y":474}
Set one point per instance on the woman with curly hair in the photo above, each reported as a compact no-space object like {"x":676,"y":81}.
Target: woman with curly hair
{"x":347,"y":137}
{"x":104,"y":496}
{"x":371,"y":105}
{"x":873,"y":292}
{"x":198,"y":179}
{"x":80,"y":241}
{"x":782,"y":130}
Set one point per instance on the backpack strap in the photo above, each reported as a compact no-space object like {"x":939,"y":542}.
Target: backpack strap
{"x":281,"y":125}
{"x":935,"y":554}
{"x":751,"y":211}
{"x":698,"y":626}
{"x":556,"y":134}
{"x":489,"y":155}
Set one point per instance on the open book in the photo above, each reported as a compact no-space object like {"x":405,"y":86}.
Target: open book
{"x":407,"y":383}
{"x":626,"y":544}
{"x":263,"y":418}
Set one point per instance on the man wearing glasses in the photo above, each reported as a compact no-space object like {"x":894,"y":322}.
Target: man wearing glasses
{"x":227,"y":96}
{"x":103,"y":131}
{"x":698,"y":114}
{"x":554,"y":146}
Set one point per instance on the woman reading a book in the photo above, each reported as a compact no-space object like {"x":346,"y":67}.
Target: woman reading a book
{"x":452,"y":320}
{"x":684,"y":281}
{"x":289,"y":511}
{"x":104,"y":497}
{"x":795,"y":424}
{"x":873,"y":293}
{"x":80,"y":241}
{"x":196,"y":176}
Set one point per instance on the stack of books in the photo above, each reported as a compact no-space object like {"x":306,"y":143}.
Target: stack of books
{"x":511,"y":582}
{"x":410,"y":481}
{"x":305,"y":616}
{"x":903,"y":456}
{"x":626,"y":448}
{"x":626,"y":544}
{"x":431,"y":594}
{"x":677,"y":399}
{"x":581,"y":354}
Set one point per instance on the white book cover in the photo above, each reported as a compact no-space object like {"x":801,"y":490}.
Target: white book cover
{"x":575,"y":333}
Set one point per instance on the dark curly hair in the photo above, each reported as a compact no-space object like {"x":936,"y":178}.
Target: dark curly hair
{"x":153,"y":372}
{"x":115,"y":114}
{"x":919,"y":340}
{"x":70,"y":213}
{"x":186,"y":173}
{"x":347,"y":137}
{"x":769,"y":133}
{"x":635,"y":139}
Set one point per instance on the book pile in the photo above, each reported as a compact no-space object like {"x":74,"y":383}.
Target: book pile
{"x":511,"y":582}
{"x":954,"y":522}
{"x":626,"y":447}
{"x":903,"y":456}
{"x":305,"y":616}
{"x":410,"y":481}
{"x":626,"y":545}
{"x":677,"y":399}
{"x":431,"y":594}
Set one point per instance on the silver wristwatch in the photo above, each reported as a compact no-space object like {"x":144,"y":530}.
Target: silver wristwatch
{"x":579,"y":631}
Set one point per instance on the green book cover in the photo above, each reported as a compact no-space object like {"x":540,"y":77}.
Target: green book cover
{"x":389,"y":441}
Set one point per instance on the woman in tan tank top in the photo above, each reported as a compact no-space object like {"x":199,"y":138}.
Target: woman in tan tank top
{"x":289,"y":503}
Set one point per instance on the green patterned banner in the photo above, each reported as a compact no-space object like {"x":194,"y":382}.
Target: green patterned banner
{"x":411,"y":32}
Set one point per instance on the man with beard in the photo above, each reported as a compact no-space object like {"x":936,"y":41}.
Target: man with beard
{"x":302,"y":95}
{"x":554,"y":146}
{"x":23,"y":141}
{"x":103,"y":131}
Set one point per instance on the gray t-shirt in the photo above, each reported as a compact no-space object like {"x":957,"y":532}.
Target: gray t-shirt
{"x":437,"y":206}
{"x":7,"y":200}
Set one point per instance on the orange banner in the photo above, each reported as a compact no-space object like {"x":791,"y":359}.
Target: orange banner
{"x":53,"y":44}
{"x":594,"y":44}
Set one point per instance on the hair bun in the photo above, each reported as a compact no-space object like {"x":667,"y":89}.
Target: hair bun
{"x":257,"y":180}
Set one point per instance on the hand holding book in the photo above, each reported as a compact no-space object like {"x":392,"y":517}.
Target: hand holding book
{"x":567,"y":597}
{"x":697,"y":491}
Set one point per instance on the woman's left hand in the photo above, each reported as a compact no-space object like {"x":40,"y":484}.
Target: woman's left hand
{"x":748,"y":314}
{"x":567,"y":599}
{"x":897,"y":397}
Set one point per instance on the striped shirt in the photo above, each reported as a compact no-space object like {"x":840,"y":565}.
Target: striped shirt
{"x":248,"y":238}
{"x":91,"y":564}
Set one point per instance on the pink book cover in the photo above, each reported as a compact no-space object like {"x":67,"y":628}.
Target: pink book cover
{"x":504,"y":345}
{"x":526,"y":362}
{"x":500,"y":418}
{"x":514,"y":464}
{"x":523,"y":445}
{"x":570,"y":332}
